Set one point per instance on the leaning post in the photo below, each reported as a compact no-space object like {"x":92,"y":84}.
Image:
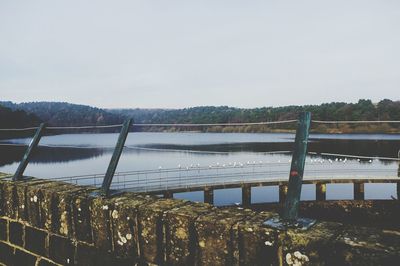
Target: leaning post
{"x":289,"y":216}
{"x":398,"y":174}
{"x":28,"y":154}
{"x":291,"y":210}
{"x":105,"y":188}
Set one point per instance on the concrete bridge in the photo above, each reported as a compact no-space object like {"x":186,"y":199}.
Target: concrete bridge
{"x":320,"y":185}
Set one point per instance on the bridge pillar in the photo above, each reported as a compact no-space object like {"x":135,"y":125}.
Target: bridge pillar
{"x":246,"y":195}
{"x":398,"y":174}
{"x":358,"y":191}
{"x":320,"y":192}
{"x":208,"y":195}
{"x":398,"y":190}
{"x":283,"y":189}
{"x":168,"y":194}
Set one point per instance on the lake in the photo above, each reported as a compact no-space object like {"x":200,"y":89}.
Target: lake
{"x":190,"y":158}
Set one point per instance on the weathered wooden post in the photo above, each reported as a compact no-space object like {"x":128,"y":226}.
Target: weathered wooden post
{"x":105,"y":188}
{"x":246,"y":195}
{"x":282,"y":193}
{"x":320,"y":192}
{"x":28,"y":154}
{"x":358,"y":191}
{"x":398,"y":174}
{"x":168,"y":194}
{"x":208,"y":195}
{"x":289,"y":216}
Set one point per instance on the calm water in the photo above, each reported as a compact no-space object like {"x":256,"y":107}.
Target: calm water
{"x":203,"y":154}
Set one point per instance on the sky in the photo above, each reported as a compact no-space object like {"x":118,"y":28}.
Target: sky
{"x":174,"y":54}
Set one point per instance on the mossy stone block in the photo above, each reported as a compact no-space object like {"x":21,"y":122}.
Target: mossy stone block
{"x":124,"y":223}
{"x":181,"y":237}
{"x":152,"y":230}
{"x":257,"y":243}
{"x":217,"y":236}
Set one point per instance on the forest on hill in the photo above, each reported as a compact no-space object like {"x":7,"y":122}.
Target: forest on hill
{"x":16,"y":119}
{"x":362,"y":110}
{"x":67,"y":114}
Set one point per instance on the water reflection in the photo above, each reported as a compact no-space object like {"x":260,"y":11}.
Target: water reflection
{"x":371,"y":148}
{"x":46,"y":155}
{"x":92,"y":153}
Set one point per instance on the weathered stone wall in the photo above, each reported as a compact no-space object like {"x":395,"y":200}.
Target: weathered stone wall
{"x":45,"y":222}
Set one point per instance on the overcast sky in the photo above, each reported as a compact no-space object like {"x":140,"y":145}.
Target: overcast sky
{"x":189,"y":53}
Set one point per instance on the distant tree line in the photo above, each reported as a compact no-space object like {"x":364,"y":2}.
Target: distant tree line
{"x":362,"y":110}
{"x":66,"y":114}
{"x":16,"y":119}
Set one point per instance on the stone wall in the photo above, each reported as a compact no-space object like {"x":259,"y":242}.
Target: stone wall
{"x":45,"y":222}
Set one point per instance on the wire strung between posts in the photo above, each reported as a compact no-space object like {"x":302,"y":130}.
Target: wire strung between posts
{"x":13,"y":144}
{"x":217,"y":124}
{"x":200,"y":125}
{"x":355,"y":156}
{"x":147,"y":125}
{"x":353,"y":122}
{"x":57,"y":146}
{"x":84,"y":127}
{"x":18,"y":129}
{"x":58,"y":128}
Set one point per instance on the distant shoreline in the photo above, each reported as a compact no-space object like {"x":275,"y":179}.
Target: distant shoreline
{"x":345,"y":129}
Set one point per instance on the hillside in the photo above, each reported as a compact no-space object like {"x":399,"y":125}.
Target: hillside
{"x":16,"y":119}
{"x":66,"y":114}
{"x":362,"y":110}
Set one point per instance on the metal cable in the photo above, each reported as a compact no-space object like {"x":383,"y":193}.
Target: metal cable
{"x":13,"y":144}
{"x":218,"y":124}
{"x":58,"y":146}
{"x":85,"y":127}
{"x":199,"y":125}
{"x":355,"y":156}
{"x":18,"y":129}
{"x":353,"y":122}
{"x":159,"y":125}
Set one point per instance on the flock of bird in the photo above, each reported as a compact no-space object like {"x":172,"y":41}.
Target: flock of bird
{"x":261,"y":163}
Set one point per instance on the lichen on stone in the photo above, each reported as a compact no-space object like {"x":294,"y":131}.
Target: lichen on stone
{"x":202,"y":244}
{"x":114,"y":214}
{"x":268,"y":243}
{"x":296,"y":259}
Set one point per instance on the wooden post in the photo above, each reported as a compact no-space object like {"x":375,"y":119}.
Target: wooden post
{"x":105,"y":188}
{"x":282,"y":193}
{"x":208,"y":195}
{"x":398,"y":174}
{"x":358,"y":191}
{"x":398,"y":190}
{"x":291,"y":210}
{"x":320,"y":192}
{"x":246,"y":195}
{"x":28,"y":154}
{"x":168,"y":194}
